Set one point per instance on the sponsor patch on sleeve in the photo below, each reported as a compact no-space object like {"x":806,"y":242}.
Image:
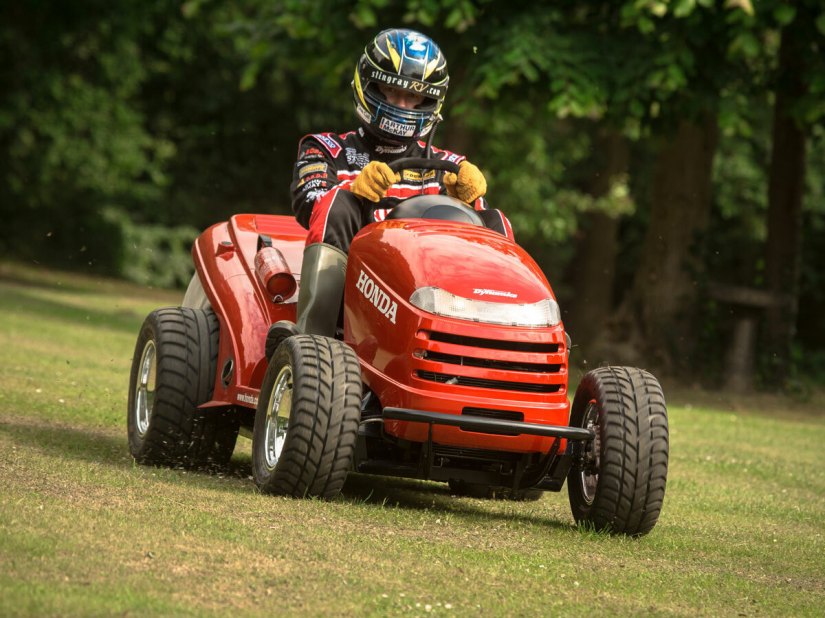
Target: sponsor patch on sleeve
{"x":312,"y":153}
{"x":327,"y":142}
{"x":312,"y":168}
{"x":313,"y":181}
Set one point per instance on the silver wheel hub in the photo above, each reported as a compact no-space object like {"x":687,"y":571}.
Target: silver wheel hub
{"x":145,"y":387}
{"x":277,"y":417}
{"x":590,"y":469}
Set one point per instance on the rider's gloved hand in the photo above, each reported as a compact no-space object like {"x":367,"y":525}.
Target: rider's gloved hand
{"x":373,"y":181}
{"x":468,"y":185}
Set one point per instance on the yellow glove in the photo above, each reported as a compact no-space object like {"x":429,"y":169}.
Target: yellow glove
{"x":468,"y":185}
{"x":373,"y":181}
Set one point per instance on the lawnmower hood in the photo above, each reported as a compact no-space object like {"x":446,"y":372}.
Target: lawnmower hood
{"x":465,"y":260}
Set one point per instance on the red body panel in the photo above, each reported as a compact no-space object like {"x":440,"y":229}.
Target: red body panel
{"x":224,"y":258}
{"x":402,"y":360}
{"x":402,"y":352}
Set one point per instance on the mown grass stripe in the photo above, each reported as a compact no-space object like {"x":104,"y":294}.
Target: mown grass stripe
{"x":84,"y":531}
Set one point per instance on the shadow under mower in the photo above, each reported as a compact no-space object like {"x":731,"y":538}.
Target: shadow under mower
{"x":450,"y":364}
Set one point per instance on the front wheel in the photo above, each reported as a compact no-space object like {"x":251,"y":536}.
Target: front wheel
{"x":307,"y":418}
{"x":617,"y":482}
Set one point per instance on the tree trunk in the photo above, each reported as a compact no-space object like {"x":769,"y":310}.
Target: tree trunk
{"x":593,"y":267}
{"x":663,"y":298}
{"x":785,"y":192}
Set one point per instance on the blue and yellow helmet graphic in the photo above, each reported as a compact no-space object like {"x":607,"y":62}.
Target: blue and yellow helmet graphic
{"x":406,"y":60}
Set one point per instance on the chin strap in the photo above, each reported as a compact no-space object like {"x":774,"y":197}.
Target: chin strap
{"x":436,"y":120}
{"x":428,"y":152}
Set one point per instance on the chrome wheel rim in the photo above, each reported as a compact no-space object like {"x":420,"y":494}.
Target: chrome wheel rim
{"x":277,"y":417}
{"x":145,"y":388}
{"x":589,"y":476}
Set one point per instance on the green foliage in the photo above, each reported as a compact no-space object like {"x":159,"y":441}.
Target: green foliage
{"x":124,"y":128}
{"x":74,"y":134}
{"x":740,"y":170}
{"x":756,"y":45}
{"x":541,"y":53}
{"x":157,"y":255}
{"x":73,"y":140}
{"x":528,"y":193}
{"x":629,"y":64}
{"x":457,"y":15}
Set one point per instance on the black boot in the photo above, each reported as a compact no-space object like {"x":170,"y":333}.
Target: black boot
{"x":277,"y":333}
{"x":322,"y":288}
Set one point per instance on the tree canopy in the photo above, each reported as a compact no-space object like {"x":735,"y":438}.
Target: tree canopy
{"x":647,"y":151}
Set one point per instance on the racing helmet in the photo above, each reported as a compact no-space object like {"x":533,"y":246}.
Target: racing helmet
{"x":407,"y":60}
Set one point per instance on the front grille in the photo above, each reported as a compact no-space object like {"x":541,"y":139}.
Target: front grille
{"x":495,"y":344}
{"x":505,"y":415}
{"x":455,"y":453}
{"x":525,"y":387}
{"x":469,"y":361}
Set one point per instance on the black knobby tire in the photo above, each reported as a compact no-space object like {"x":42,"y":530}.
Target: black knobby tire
{"x":489,"y":492}
{"x":627,"y":409}
{"x":173,"y":431}
{"x":315,"y":382}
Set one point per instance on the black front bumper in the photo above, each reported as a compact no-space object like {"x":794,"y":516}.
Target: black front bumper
{"x":439,"y":463}
{"x":487,"y":425}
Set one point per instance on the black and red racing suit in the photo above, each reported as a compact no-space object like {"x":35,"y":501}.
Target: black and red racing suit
{"x":328,"y":163}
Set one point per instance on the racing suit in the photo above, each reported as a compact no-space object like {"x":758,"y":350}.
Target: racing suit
{"x":328,"y":163}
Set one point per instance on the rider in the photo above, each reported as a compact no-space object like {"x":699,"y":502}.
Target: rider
{"x":343,"y":182}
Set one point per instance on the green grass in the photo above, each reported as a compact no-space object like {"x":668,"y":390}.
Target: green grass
{"x":85,"y":531}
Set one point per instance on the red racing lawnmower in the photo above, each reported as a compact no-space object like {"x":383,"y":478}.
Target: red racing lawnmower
{"x":450,"y":364}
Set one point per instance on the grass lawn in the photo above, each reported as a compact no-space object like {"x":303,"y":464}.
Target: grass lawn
{"x":85,"y":531}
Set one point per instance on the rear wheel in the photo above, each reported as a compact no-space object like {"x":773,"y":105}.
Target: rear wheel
{"x":617,"y":482}
{"x":173,"y":372}
{"x":489,"y":492}
{"x":307,"y":418}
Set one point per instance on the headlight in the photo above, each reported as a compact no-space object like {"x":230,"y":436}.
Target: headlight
{"x":437,"y":301}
